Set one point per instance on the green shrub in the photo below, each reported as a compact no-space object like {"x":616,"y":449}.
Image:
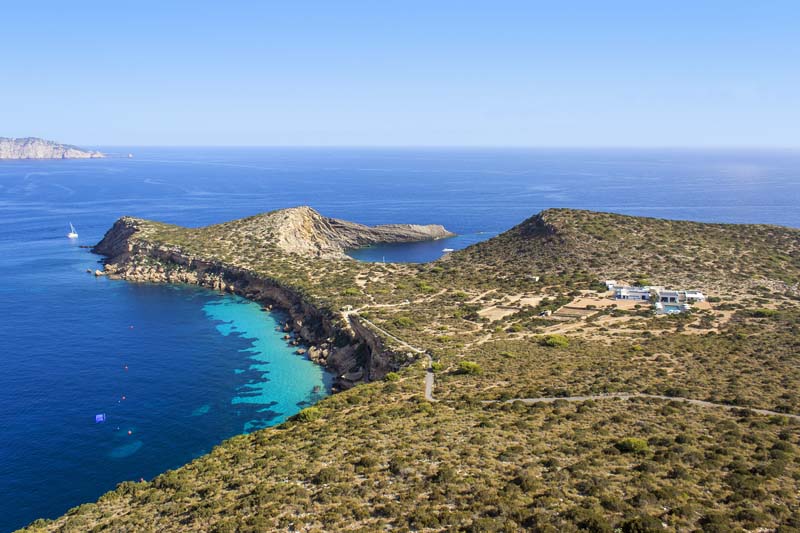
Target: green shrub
{"x":403,"y":322}
{"x":715,"y":523}
{"x":425,"y":287}
{"x":642,"y":524}
{"x":555,"y":341}
{"x":762,"y":313}
{"x":392,"y":376}
{"x":527,"y":480}
{"x":469,"y":367}
{"x":446,"y":474}
{"x":632,"y":445}
{"x":308,"y":414}
{"x":328,"y":474}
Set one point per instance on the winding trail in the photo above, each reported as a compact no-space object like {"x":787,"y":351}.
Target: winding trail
{"x":429,"y":380}
{"x":428,"y":358}
{"x":550,"y":399}
{"x":629,"y":395}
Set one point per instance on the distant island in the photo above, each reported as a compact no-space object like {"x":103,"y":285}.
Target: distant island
{"x":35,"y":148}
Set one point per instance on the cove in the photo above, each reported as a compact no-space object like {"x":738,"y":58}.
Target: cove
{"x":175,"y":369}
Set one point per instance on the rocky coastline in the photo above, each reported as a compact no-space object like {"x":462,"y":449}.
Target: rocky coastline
{"x":337,"y":341}
{"x":35,"y":148}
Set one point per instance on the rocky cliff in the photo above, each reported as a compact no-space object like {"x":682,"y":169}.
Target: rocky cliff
{"x":337,"y":340}
{"x":302,"y":230}
{"x":34,"y":148}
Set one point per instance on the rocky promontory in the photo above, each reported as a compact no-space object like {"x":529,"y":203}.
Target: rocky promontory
{"x":245,"y":257}
{"x":304,"y":231}
{"x":35,"y":148}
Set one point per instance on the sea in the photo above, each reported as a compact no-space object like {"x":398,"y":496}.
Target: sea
{"x":175,"y":370}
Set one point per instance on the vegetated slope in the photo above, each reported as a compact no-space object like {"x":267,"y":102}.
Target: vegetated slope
{"x":610,"y":246}
{"x":380,"y":456}
{"x":35,"y":148}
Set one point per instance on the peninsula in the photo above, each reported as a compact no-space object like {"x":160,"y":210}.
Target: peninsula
{"x":504,"y":387}
{"x":35,"y":148}
{"x":282,"y":241}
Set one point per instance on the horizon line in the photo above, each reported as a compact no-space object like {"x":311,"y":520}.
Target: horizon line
{"x":452,"y":146}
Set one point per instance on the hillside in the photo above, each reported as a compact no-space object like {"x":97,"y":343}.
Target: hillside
{"x":35,"y":148}
{"x":569,"y":242}
{"x":545,"y":404}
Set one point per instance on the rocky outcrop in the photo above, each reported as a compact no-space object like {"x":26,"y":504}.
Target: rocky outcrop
{"x":35,"y":148}
{"x":303,"y":231}
{"x":353,"y":352}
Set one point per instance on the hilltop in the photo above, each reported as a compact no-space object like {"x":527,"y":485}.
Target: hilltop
{"x":35,"y":148}
{"x":553,"y":406}
{"x":302,"y":230}
{"x":571,"y":242}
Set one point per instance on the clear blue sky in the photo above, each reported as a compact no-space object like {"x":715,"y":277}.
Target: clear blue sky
{"x":429,"y":72}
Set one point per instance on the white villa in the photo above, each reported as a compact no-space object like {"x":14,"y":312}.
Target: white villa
{"x":632,"y":293}
{"x":666,"y":301}
{"x":694,"y":296}
{"x":666,"y":296}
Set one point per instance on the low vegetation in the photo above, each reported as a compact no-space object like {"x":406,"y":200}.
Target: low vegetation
{"x":502,"y":321}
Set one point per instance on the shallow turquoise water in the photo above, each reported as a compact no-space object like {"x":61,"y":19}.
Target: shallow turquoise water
{"x":281,"y":384}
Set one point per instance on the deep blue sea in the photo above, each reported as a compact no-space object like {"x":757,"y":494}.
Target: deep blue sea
{"x":176,"y":370}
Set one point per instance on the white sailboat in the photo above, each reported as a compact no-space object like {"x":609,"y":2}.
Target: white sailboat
{"x":72,"y":233}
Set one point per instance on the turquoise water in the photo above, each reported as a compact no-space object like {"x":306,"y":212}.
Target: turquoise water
{"x":176,"y":370}
{"x":301,"y":383}
{"x":203,"y":366}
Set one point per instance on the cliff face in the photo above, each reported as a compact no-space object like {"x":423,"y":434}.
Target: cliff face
{"x":303,"y":231}
{"x":34,"y":148}
{"x":353,"y":352}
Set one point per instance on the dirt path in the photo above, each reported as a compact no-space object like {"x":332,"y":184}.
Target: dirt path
{"x":428,"y":370}
{"x":429,"y":378}
{"x":627,"y":395}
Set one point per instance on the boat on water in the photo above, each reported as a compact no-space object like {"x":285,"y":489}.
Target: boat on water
{"x":446,"y":250}
{"x":72,"y":233}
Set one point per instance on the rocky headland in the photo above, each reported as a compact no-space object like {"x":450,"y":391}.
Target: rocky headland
{"x":35,"y":148}
{"x":336,"y":340}
{"x":303,"y":231}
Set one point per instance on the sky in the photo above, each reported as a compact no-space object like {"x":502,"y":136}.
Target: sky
{"x":403,"y":73}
